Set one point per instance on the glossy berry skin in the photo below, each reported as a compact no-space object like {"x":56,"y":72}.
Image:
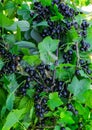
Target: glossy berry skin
{"x":81,"y":61}
{"x":77,"y":72}
{"x":70,"y":52}
{"x":80,"y":124}
{"x":69,"y":106}
{"x":62,"y":128}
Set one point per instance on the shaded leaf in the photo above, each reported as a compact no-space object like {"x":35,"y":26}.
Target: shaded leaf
{"x":1,"y":64}
{"x":2,"y":97}
{"x":36,"y":36}
{"x":25,"y":44}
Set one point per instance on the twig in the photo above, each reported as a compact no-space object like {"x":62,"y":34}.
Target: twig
{"x":56,"y":63}
{"x":47,"y":127}
{"x":37,"y":81}
{"x":78,"y":56}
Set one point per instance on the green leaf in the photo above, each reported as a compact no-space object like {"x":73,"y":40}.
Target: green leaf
{"x":89,"y":37}
{"x":66,"y":117}
{"x":36,"y":36}
{"x":58,"y":16}
{"x":43,"y":23}
{"x":78,"y":88}
{"x":83,"y":74}
{"x":88,"y":127}
{"x":79,"y":18}
{"x":72,"y":35}
{"x":14,"y":49}
{"x":18,"y":34}
{"x":24,"y":11}
{"x":84,"y":111}
{"x":31,"y":112}
{"x":2,"y":97}
{"x":88,"y":98}
{"x":32,"y":60}
{"x":3,"y":111}
{"x":25,"y":51}
{"x":23,"y":102}
{"x":10,"y":101}
{"x":46,"y":47}
{"x":25,"y":44}
{"x":10,"y":7}
{"x":10,"y":39}
{"x":46,"y":2}
{"x":48,"y":114}
{"x":13,"y":83}
{"x":57,"y":127}
{"x":12,"y":118}
{"x":30,"y":92}
{"x":63,"y":73}
{"x":5,"y":21}
{"x":1,"y":64}
{"x":54,"y":101}
{"x":23,"y":25}
{"x":10,"y":83}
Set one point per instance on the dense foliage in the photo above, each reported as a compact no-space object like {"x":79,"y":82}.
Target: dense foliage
{"x":45,"y":66}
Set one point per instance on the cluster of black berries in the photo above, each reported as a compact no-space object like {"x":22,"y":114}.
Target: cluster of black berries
{"x":84,"y":26}
{"x":61,"y":88}
{"x":85,"y":66}
{"x":68,"y":56}
{"x":69,"y":25}
{"x":55,"y":2}
{"x":43,"y":123}
{"x":38,"y":72}
{"x":35,"y":74}
{"x":71,"y":108}
{"x":65,"y":10}
{"x":42,"y":75}
{"x":84,"y":45}
{"x":26,"y":85}
{"x":41,"y":11}
{"x":55,"y":30}
{"x":40,"y":105}
{"x":11,"y":61}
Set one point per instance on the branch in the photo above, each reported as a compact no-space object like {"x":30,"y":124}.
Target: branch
{"x":78,"y":56}
{"x":56,"y":63}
